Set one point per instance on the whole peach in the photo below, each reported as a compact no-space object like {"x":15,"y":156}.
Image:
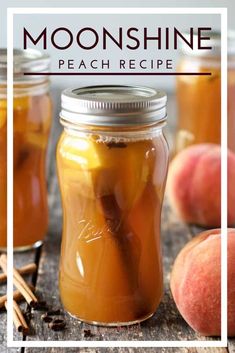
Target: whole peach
{"x":196,"y":282}
{"x":193,"y":185}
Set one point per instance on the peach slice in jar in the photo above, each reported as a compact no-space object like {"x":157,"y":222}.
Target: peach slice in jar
{"x":79,"y":159}
{"x":120,"y":168}
{"x":78,"y":153}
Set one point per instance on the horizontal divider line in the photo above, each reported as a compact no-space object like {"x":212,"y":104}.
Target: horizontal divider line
{"x":117,"y":73}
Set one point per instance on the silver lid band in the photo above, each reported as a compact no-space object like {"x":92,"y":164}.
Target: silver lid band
{"x":113,"y":106}
{"x":25,"y":61}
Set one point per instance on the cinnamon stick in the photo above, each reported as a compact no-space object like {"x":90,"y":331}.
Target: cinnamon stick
{"x":128,"y":247}
{"x":24,"y":270}
{"x":19,"y":282}
{"x":17,"y":310}
{"x":18,"y":318}
{"x":17,"y":296}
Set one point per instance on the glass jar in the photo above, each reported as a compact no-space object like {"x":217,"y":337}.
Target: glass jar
{"x":199,"y":97}
{"x":112,"y":163}
{"x":32,"y":121}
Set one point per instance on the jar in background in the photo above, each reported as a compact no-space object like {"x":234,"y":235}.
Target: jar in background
{"x":199,"y":97}
{"x":32,"y":121}
{"x":112,"y":163}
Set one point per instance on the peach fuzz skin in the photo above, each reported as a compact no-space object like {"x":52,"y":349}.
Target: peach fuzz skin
{"x":196,"y":280}
{"x":193,"y":185}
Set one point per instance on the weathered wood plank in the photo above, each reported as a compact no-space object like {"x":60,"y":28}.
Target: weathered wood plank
{"x":134,"y":350}
{"x":3,"y":349}
{"x":231,"y":345}
{"x":211,"y":350}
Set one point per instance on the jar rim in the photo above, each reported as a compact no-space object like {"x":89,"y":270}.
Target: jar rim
{"x":25,"y":61}
{"x":113,"y":105}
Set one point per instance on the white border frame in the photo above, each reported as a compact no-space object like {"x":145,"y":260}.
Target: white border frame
{"x":132,"y":344}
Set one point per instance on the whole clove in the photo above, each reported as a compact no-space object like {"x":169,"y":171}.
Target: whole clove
{"x":87,"y":333}
{"x":57,"y":325}
{"x":46,"y":318}
{"x":40,"y":306}
{"x":54,"y":324}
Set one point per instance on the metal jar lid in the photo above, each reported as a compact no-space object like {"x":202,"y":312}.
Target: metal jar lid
{"x":113,"y":106}
{"x":24,"y":61}
{"x":215,"y":43}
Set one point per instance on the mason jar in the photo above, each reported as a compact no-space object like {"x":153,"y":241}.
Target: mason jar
{"x":31,"y":127}
{"x":112,"y":160}
{"x":199,"y":97}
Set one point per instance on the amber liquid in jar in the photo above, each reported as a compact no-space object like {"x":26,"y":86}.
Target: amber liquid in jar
{"x":112,"y":191}
{"x":31,"y":126}
{"x":199,"y":102}
{"x":231,"y":109}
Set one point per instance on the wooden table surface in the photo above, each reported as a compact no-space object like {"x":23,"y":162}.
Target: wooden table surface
{"x":166,"y":324}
